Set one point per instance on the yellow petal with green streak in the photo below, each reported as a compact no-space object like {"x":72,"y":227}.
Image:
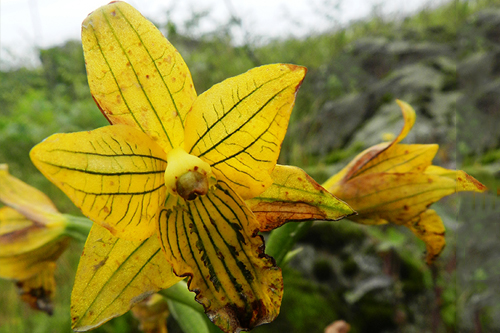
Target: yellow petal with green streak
{"x":135,"y":75}
{"x":213,"y":241}
{"x":397,"y":198}
{"x":295,"y":196}
{"x":114,"y":174}
{"x":238,"y":126}
{"x":26,"y":199}
{"x":429,"y":228}
{"x":113,"y":275}
{"x":19,"y":235}
{"x":38,"y":291}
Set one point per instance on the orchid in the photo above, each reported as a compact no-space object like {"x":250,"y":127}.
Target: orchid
{"x":166,"y":183}
{"x":33,"y":234}
{"x":396,"y":183}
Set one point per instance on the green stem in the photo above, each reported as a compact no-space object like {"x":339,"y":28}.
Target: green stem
{"x":282,"y":239}
{"x":180,"y":293}
{"x":78,"y":227}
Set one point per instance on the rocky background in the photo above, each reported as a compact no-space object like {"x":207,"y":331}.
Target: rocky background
{"x":444,"y":61}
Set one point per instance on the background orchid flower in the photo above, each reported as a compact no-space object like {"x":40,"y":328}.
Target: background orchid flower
{"x":173,"y":171}
{"x":396,"y":183}
{"x":32,"y":237}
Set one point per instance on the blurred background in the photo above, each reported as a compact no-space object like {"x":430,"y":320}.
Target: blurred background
{"x":441,"y":57}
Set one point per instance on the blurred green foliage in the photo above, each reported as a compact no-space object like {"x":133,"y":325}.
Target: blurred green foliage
{"x":55,"y":97}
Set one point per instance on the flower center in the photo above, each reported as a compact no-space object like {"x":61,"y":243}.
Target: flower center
{"x":186,"y":174}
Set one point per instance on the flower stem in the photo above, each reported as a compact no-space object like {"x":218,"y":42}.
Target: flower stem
{"x":78,"y":227}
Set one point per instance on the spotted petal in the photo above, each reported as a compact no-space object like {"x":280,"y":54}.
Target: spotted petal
{"x":429,"y":227}
{"x":135,"y":75}
{"x":238,"y":126}
{"x":213,"y":240}
{"x":114,"y":174}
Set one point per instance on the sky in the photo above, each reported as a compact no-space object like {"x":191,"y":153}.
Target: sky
{"x":27,"y":24}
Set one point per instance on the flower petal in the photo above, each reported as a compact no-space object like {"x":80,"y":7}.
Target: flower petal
{"x":213,"y":240}
{"x":38,"y":291}
{"x":135,"y":75}
{"x":26,"y":199}
{"x":114,"y":174}
{"x":429,"y":228}
{"x":26,"y":248}
{"x":294,"y":196}
{"x":113,"y":275}
{"x":373,"y":159}
{"x":393,"y":197}
{"x":20,"y":236}
{"x":464,"y":181}
{"x":237,"y":126}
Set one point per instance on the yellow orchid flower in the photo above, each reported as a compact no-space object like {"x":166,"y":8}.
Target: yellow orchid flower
{"x":396,"y":183}
{"x":32,"y":237}
{"x":173,"y":170}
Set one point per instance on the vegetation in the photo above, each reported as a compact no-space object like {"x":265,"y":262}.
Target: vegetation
{"x":339,"y":273}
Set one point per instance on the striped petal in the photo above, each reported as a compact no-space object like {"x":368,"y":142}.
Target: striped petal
{"x":393,"y":197}
{"x":237,"y":126}
{"x":213,"y":240}
{"x":135,"y":75}
{"x":114,"y":174}
{"x":113,"y":275}
{"x":295,"y":196}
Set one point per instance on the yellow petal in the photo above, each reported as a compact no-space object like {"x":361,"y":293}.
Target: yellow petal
{"x":113,"y":275}
{"x":395,"y":198}
{"x":38,"y":291}
{"x":213,"y":240}
{"x":20,"y":236}
{"x":294,"y":196}
{"x":357,"y":163}
{"x":373,"y":158}
{"x":11,"y":220}
{"x":26,"y":199}
{"x":429,"y":228}
{"x":25,"y":249}
{"x":409,"y":118}
{"x":135,"y":75}
{"x":114,"y":174}
{"x":237,"y":126}
{"x":464,"y":181}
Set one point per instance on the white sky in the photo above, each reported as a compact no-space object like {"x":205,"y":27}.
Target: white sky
{"x":25,"y":24}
